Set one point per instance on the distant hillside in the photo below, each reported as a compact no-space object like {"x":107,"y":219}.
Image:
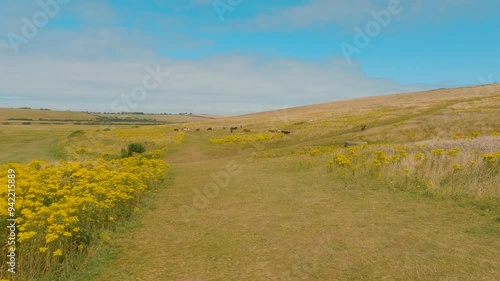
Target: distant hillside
{"x":34,"y":116}
{"x":7,"y":114}
{"x":421,"y":100}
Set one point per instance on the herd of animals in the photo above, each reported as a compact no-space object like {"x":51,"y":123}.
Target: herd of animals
{"x":232,"y":129}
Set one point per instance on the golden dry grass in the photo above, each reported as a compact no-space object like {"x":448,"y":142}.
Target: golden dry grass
{"x":420,"y":100}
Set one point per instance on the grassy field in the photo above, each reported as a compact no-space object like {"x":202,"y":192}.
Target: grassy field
{"x":7,"y":114}
{"x":274,"y":223}
{"x":22,"y":143}
{"x":17,"y":116}
{"x":38,"y":140}
{"x":420,"y":201}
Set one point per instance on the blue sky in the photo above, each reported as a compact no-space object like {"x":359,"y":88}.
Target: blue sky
{"x":252,"y":56}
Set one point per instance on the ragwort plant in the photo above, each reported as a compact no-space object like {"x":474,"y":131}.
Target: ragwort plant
{"x":64,"y":208}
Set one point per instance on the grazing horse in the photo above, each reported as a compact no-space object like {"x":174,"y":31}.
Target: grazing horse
{"x":209,"y":129}
{"x":176,"y":130}
{"x":363,"y":128}
{"x":246,"y":130}
{"x":286,"y":132}
{"x":197,"y":130}
{"x":272,"y":131}
{"x":185,"y":129}
{"x":233,"y":129}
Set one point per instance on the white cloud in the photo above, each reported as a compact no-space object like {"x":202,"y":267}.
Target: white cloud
{"x":350,"y":13}
{"x":90,"y":68}
{"x":316,"y":12}
{"x":236,"y":84}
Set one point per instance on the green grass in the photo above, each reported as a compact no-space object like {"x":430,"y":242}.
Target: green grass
{"x":272,"y":224}
{"x":21,"y":144}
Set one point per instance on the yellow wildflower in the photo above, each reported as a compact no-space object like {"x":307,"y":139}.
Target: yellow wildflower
{"x":437,"y":151}
{"x":57,"y":252}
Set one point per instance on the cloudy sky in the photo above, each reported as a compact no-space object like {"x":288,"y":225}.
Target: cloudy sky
{"x":238,"y":56}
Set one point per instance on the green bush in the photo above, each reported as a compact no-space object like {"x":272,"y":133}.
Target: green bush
{"x":135,"y":147}
{"x":124,"y":153}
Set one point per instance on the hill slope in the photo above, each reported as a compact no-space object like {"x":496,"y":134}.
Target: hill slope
{"x":420,"y":202}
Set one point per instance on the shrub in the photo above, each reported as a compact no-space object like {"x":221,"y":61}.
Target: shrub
{"x":135,"y":147}
{"x":124,"y":153}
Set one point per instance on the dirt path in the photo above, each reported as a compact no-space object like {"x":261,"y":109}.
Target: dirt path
{"x":146,"y":251}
